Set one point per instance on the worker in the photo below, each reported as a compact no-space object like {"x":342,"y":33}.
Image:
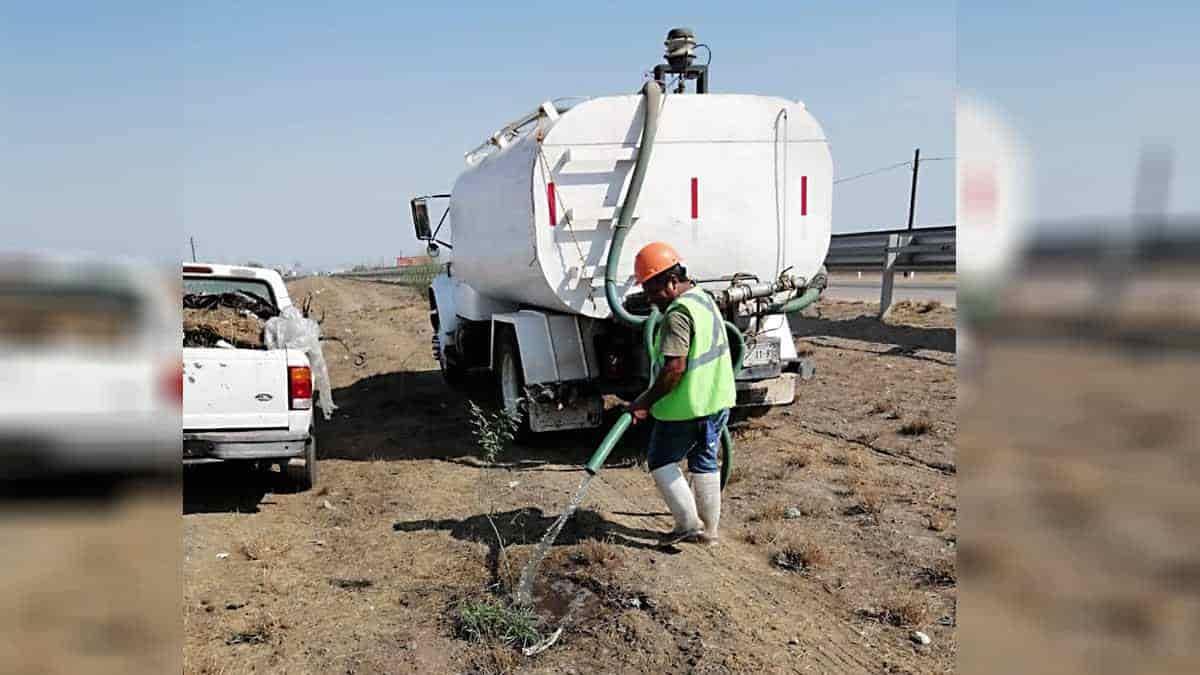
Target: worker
{"x":690,"y":397}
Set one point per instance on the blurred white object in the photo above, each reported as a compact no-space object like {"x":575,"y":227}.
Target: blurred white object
{"x":992,"y":183}
{"x":251,"y":405}
{"x":89,"y":367}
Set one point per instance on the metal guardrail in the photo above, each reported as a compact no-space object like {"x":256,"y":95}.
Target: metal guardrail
{"x":929,"y":249}
{"x":412,"y":275}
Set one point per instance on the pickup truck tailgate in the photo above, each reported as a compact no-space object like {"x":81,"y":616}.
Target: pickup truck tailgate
{"x":233,"y":389}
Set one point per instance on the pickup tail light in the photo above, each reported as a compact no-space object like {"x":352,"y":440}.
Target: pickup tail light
{"x":300,"y":388}
{"x":172,"y":384}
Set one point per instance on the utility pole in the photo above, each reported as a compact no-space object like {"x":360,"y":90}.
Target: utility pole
{"x":193,"y":240}
{"x":912,"y":197}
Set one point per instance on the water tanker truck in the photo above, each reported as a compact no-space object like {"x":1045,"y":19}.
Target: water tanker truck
{"x":545,"y":220}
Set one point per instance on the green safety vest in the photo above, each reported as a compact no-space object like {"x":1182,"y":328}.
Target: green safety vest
{"x":707,"y":386}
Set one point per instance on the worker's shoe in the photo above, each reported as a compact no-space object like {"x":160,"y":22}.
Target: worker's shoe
{"x":678,"y":495}
{"x":708,"y":503}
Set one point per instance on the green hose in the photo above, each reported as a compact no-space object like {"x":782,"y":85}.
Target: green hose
{"x":808,"y":297}
{"x":610,"y":441}
{"x":726,"y":455}
{"x":652,"y":96}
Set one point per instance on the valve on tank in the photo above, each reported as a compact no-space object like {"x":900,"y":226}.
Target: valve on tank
{"x":681,"y":52}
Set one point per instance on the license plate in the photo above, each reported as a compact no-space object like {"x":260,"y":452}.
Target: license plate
{"x":195,"y":448}
{"x":761,"y":353}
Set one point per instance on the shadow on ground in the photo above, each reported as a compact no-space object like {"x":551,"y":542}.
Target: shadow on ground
{"x":870,"y":329}
{"x":229,"y":488}
{"x":527,"y":525}
{"x":409,"y":415}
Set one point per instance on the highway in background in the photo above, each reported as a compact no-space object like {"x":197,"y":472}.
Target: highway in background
{"x":921,"y":287}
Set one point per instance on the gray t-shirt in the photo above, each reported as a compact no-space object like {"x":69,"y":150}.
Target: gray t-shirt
{"x":677,"y":333}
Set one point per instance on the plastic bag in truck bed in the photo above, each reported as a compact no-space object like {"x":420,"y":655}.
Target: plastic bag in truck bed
{"x":291,"y":330}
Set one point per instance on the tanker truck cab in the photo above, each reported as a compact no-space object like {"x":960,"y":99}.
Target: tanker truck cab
{"x":549,"y":210}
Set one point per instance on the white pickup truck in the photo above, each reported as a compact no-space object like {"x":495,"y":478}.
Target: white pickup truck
{"x":89,"y":368}
{"x":252,"y":405}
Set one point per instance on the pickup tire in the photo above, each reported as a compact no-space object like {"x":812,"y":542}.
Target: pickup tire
{"x":304,"y":477}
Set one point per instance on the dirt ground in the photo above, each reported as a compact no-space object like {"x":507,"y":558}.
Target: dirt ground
{"x":1078,"y":442}
{"x":854,"y":485}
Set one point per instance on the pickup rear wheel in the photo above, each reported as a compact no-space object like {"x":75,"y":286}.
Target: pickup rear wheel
{"x":305,"y":477}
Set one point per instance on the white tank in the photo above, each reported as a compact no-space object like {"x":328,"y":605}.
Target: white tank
{"x":736,"y":183}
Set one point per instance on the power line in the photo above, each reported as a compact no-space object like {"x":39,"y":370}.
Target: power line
{"x":889,"y":168}
{"x":874,"y":171}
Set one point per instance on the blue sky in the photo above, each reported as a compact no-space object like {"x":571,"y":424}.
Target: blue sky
{"x":298,"y":133}
{"x":1089,"y":84}
{"x":284,"y":134}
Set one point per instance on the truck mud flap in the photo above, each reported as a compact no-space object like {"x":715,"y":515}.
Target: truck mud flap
{"x":586,"y":412}
{"x":774,"y":391}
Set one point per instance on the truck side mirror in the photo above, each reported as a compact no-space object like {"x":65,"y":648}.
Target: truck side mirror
{"x":420,"y":218}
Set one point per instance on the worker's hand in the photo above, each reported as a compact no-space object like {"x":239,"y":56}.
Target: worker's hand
{"x":638,"y":411}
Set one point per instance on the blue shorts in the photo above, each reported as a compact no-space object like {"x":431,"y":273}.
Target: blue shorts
{"x":697,"y":439}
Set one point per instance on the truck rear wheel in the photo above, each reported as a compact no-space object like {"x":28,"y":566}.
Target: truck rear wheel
{"x":510,"y":383}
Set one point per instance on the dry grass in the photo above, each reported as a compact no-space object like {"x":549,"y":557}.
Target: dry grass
{"x":770,"y":512}
{"x":870,"y":502}
{"x":742,"y":474}
{"x":207,"y":663}
{"x":253,"y":632}
{"x":916,"y":307}
{"x":497,"y":660}
{"x":940,"y":573}
{"x":596,"y":552}
{"x":938,"y":521}
{"x":918,"y":426}
{"x":760,"y":535}
{"x":883,"y":407}
{"x":792,"y":554}
{"x":251,"y":550}
{"x":850,"y":485}
{"x":843,"y":458}
{"x":866,"y":437}
{"x":908,"y":611}
{"x":798,"y":459}
{"x":777,"y":472}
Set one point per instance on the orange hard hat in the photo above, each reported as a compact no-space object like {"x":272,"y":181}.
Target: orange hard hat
{"x":654,"y":258}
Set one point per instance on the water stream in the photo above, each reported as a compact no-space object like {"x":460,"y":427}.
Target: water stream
{"x":525,"y":586}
